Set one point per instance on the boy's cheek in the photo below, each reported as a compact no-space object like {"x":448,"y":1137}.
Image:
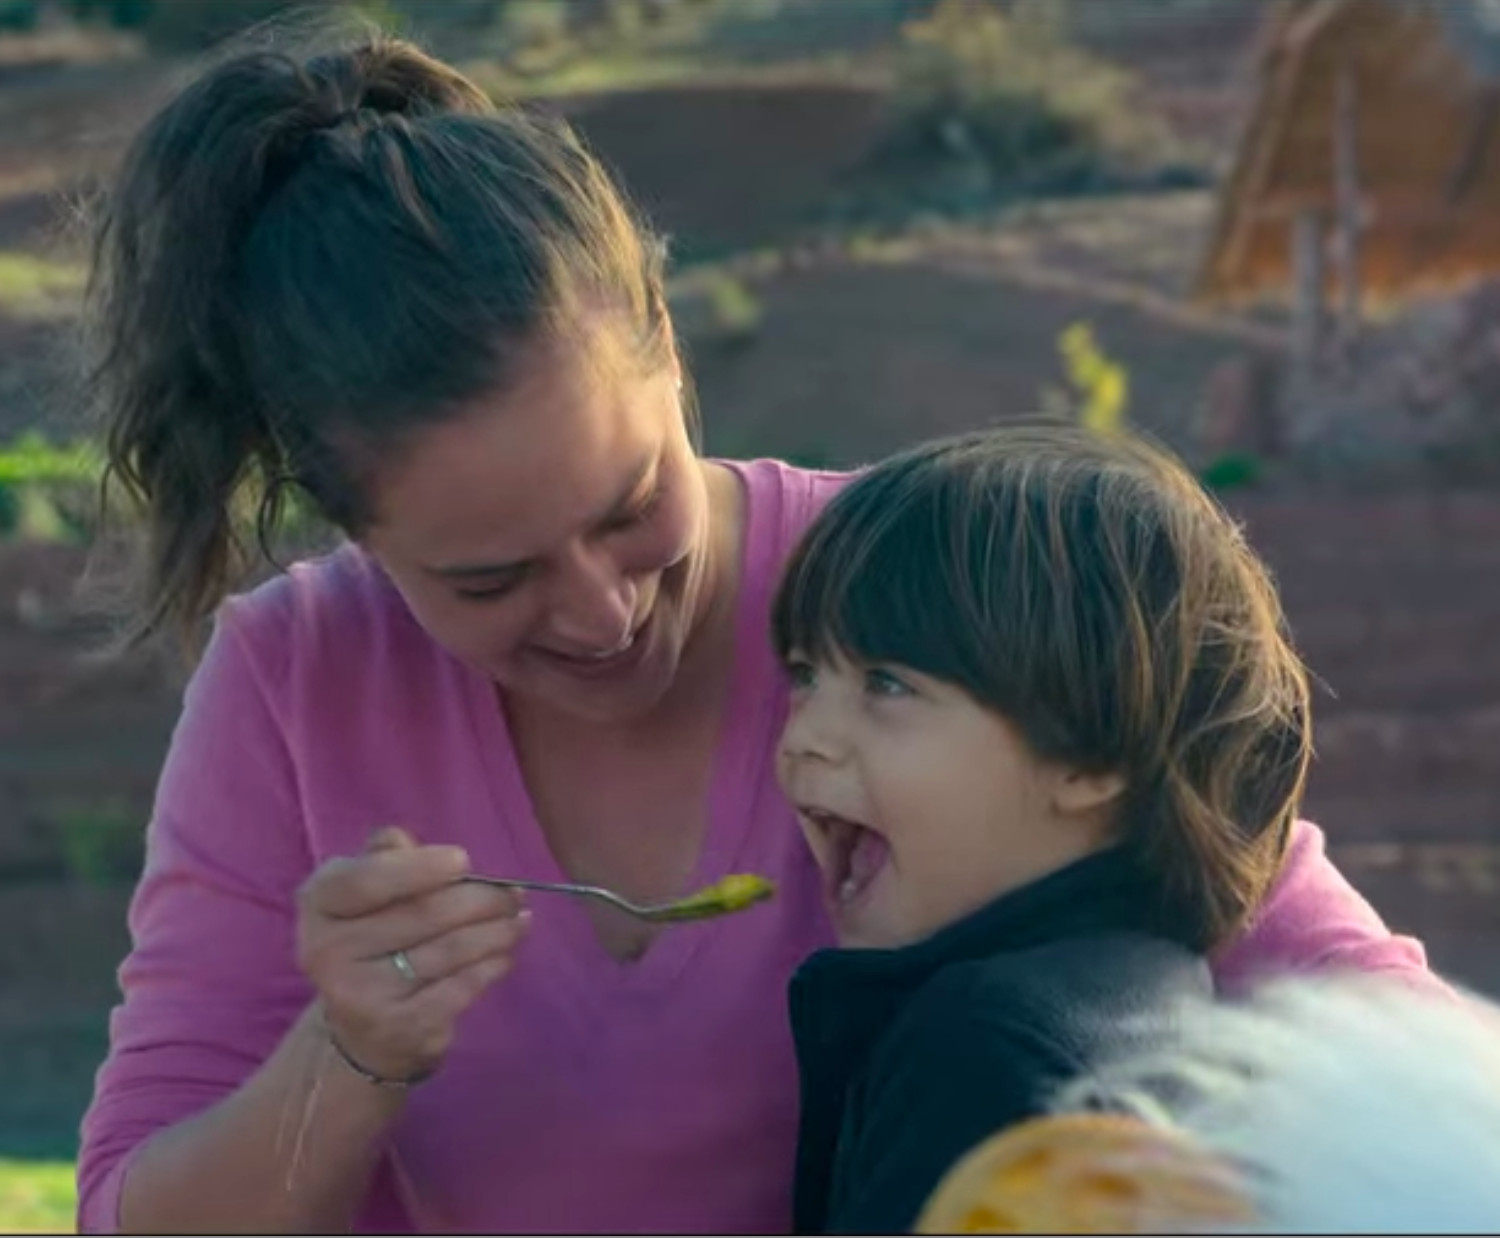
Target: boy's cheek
{"x":783,"y":773}
{"x":813,"y":843}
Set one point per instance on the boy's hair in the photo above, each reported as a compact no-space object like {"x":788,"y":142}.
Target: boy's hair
{"x":1090,"y":591}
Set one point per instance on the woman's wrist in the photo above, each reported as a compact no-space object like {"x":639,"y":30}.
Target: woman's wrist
{"x":368,"y":1075}
{"x":328,"y":1062}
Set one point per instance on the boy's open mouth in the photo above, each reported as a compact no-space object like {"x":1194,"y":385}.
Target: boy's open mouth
{"x":851,"y":855}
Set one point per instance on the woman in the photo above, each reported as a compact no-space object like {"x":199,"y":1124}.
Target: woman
{"x":542,"y":653}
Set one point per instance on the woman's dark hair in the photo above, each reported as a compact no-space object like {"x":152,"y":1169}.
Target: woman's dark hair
{"x":1087,"y":589}
{"x":305,"y":257}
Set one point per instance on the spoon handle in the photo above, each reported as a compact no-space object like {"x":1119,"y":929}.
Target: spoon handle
{"x":556,"y":887}
{"x":678,"y":911}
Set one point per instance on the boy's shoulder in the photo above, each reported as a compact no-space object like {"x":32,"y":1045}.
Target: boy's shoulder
{"x":1075,"y":998}
{"x":984,"y":1044}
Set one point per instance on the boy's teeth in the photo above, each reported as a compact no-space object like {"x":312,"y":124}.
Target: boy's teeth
{"x":867,"y":854}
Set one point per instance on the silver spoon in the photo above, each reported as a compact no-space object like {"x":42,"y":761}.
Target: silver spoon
{"x":731,"y":894}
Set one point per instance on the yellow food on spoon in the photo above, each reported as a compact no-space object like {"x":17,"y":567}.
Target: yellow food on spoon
{"x":732,"y":893}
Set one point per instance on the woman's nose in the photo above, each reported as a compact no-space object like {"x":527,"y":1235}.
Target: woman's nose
{"x":593,"y":608}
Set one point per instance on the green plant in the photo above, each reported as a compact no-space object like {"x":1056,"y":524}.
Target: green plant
{"x":122,"y":14}
{"x":100,"y":843}
{"x":189,"y":25}
{"x":735,"y":310}
{"x":37,"y":1197}
{"x":866,"y":246}
{"x":1233,"y":471}
{"x":31,"y":459}
{"x":1098,"y":387}
{"x":535,"y":35}
{"x":52,"y":493}
{"x":37,"y":287}
{"x":48,"y":493}
{"x":627,"y":20}
{"x":35,"y":516}
{"x":19,"y":14}
{"x":1007,"y":91}
{"x":811,"y":456}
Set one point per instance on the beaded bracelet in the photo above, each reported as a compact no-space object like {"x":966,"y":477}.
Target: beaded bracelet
{"x":370,"y":1076}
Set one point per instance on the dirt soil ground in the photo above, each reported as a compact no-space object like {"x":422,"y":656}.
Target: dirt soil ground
{"x":1395,"y":595}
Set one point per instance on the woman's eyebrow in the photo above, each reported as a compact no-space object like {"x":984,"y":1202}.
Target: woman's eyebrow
{"x":626,"y":495}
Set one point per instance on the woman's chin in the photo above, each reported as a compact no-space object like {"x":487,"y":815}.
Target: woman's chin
{"x":621,"y":689}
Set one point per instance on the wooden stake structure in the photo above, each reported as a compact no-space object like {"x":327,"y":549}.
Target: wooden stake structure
{"x":1310,"y":317}
{"x":1349,"y":205}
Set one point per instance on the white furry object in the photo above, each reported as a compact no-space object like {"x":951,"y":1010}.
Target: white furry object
{"x":1356,"y":1105}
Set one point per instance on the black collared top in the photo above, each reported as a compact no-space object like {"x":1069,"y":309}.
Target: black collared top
{"x":911,"y":1057}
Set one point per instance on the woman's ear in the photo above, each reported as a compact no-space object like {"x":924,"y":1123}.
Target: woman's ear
{"x":670,"y":330}
{"x":1077,"y":793}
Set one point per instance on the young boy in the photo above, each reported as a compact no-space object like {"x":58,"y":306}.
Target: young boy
{"x":1047,"y":740}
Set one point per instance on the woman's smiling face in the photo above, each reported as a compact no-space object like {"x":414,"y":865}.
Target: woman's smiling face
{"x":555,"y":538}
{"x":919,"y":804}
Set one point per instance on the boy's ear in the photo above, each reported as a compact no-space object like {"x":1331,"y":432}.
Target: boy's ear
{"x":1077,"y":793}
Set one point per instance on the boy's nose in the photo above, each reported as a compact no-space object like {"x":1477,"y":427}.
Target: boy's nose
{"x":813,"y":731}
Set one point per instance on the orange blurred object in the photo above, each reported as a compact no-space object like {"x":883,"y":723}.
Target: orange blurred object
{"x":1087,"y":1174}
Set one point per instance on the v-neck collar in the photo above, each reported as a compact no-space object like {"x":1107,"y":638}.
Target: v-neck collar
{"x":748,"y":718}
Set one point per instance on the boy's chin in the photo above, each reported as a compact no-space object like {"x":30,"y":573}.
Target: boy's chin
{"x":875,"y":924}
{"x":856,"y":931}
{"x":859,"y":941}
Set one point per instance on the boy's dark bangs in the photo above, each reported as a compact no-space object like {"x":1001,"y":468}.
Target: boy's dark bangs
{"x":876,"y":583}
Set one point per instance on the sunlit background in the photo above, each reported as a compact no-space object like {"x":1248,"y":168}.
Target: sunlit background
{"x":1261,"y":231}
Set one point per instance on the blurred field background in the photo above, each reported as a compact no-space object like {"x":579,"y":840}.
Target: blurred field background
{"x":890,"y":219}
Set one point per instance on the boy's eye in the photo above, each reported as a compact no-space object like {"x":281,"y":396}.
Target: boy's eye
{"x":801,"y":672}
{"x":886,"y":683}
